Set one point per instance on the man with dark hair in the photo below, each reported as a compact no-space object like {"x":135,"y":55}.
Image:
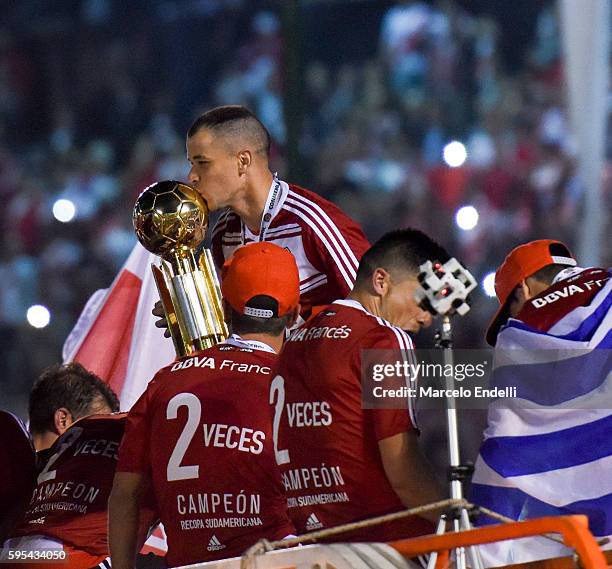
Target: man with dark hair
{"x":228,"y":149}
{"x":202,"y":431}
{"x":546,"y":450}
{"x":62,"y":395}
{"x":234,"y":121}
{"x":73,"y":425}
{"x":341,"y":462}
{"x":405,"y":248}
{"x":59,"y":397}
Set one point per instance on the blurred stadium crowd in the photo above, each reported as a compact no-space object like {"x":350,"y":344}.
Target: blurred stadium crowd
{"x":96,"y":95}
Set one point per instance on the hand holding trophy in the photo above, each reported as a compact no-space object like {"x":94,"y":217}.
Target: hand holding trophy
{"x":170,"y":220}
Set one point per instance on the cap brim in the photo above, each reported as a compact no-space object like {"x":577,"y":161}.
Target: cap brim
{"x":500,"y":318}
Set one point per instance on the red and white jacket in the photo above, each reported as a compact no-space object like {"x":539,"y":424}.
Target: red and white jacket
{"x":325,"y":242}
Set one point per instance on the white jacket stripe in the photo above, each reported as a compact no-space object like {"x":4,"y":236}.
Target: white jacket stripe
{"x":322,"y":230}
{"x":316,"y":210}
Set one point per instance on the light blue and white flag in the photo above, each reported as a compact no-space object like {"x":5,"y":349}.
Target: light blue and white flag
{"x":549,"y":450}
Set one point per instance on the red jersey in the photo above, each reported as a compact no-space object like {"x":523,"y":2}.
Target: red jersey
{"x":203,"y":432}
{"x":17,"y":471}
{"x":69,"y":503}
{"x":326,"y":243}
{"x":572,"y":288}
{"x":327,"y":443}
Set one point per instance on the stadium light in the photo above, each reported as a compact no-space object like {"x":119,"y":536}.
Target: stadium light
{"x":64,"y":210}
{"x":454,"y":154}
{"x":38,"y":316}
{"x":467,"y":217}
{"x":488,"y":284}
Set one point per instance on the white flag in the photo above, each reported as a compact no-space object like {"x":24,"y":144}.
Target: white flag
{"x":115,"y":336}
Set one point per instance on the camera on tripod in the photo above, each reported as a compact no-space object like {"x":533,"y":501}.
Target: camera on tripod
{"x":444,"y":288}
{"x":444,"y":291}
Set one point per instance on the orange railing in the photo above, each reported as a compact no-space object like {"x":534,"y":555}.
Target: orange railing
{"x":573,"y":529}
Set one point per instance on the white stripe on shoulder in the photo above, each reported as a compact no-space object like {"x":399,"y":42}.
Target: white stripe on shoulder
{"x":281,"y":228}
{"x":324,"y":233}
{"x":333,"y":251}
{"x":339,"y":237}
{"x":407,"y":354}
{"x":282,"y":234}
{"x":313,"y":284}
{"x":405,"y":346}
{"x":106,"y":564}
{"x":310,"y":278}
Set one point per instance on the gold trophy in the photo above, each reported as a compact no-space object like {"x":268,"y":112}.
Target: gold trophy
{"x":170,"y":219}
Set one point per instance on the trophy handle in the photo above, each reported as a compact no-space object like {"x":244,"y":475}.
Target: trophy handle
{"x":171,"y":318}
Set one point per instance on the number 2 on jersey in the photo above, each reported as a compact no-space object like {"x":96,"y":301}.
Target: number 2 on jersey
{"x":68,"y":440}
{"x":277,"y":388}
{"x":176,"y":471}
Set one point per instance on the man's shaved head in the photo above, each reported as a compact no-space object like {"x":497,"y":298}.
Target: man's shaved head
{"x":237,"y":126}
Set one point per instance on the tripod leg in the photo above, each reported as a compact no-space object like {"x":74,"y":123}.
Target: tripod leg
{"x":460,"y":560}
{"x":473,"y":552}
{"x":440,"y":529}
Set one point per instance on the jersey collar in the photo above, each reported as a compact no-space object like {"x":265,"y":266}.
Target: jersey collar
{"x":352,"y":304}
{"x":358,"y":306}
{"x":238,"y":342}
{"x":567,"y":273}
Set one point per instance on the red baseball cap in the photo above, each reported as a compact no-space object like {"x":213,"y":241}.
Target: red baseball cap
{"x":261,"y":270}
{"x":521,"y":263}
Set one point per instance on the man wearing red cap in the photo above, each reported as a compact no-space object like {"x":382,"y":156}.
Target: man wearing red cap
{"x":529,"y":271}
{"x":202,"y":431}
{"x":547,"y":451}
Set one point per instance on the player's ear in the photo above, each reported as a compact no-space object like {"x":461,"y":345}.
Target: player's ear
{"x":533,"y":287}
{"x":244,"y":161}
{"x":380,"y":281}
{"x":62,"y":419}
{"x":524,"y":290}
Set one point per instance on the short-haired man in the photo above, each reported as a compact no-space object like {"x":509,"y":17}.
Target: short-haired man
{"x":340,"y":462}
{"x":73,"y":425}
{"x":547,"y":451}
{"x":62,"y":395}
{"x":202,"y":431}
{"x":228,"y":149}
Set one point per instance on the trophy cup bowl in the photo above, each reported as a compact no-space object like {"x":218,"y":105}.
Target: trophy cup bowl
{"x":170,"y":217}
{"x":170,"y":220}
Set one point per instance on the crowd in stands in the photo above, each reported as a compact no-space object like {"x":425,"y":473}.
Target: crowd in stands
{"x":95,"y":102}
